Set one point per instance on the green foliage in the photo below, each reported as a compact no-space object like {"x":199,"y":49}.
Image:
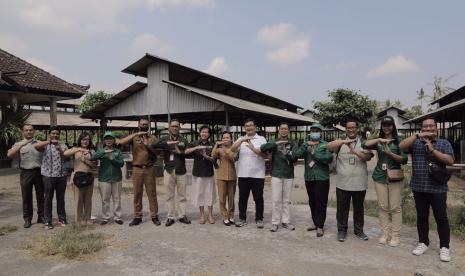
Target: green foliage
{"x":93,"y":99}
{"x":413,"y":112}
{"x":345,"y":103}
{"x":11,"y":124}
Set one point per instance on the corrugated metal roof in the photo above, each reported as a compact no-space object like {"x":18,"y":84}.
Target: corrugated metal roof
{"x":71,"y":120}
{"x":454,"y":94}
{"x":246,"y":105}
{"x":100,"y":109}
{"x":452,"y":106}
{"x":139,"y":68}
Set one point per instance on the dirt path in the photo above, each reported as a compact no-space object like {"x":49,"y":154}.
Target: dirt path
{"x":218,"y":250}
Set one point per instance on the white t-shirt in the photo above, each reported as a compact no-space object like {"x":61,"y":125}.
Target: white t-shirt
{"x":249,"y":163}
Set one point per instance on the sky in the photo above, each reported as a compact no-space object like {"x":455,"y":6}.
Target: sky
{"x":294,"y":50}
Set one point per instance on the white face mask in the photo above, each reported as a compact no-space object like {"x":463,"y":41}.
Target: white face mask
{"x":315,"y":136}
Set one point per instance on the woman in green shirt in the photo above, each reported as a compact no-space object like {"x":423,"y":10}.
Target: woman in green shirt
{"x":316,"y":163}
{"x":389,"y":191}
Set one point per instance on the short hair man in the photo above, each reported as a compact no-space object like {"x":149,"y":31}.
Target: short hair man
{"x":251,"y":172}
{"x":143,"y":173}
{"x":427,"y":151}
{"x":351,"y":180}
{"x":30,"y":161}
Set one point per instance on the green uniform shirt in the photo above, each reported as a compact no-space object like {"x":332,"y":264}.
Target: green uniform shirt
{"x":109,"y":170}
{"x":380,"y":175}
{"x":282,"y":163}
{"x":321,"y":158}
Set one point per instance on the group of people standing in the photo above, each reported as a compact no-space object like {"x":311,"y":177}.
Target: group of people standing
{"x":243,"y":162}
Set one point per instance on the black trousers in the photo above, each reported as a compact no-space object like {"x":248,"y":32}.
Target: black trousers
{"x":343,"y":206}
{"x":52,"y":184}
{"x":317,"y":192}
{"x":29,"y":179}
{"x":256,"y":185}
{"x":439,"y":206}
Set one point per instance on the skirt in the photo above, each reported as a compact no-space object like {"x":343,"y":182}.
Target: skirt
{"x":203,"y":191}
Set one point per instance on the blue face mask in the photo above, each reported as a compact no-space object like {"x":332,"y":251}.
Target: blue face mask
{"x":315,"y":136}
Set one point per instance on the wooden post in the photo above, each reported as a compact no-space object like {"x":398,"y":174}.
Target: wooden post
{"x":53,"y":111}
{"x":14,"y":101}
{"x":226,"y":119}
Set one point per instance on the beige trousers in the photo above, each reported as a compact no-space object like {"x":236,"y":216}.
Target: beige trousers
{"x":111,"y":190}
{"x":389,"y":202}
{"x":175,"y":183}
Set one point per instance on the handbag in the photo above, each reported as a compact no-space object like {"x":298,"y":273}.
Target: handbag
{"x":393,"y":175}
{"x":83,"y":179}
{"x":438,"y":173}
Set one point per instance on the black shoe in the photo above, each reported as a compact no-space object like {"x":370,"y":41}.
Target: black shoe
{"x":362,"y":236}
{"x":311,"y":228}
{"x":169,"y":222}
{"x":49,"y":226}
{"x":341,"y":236}
{"x":41,"y":220}
{"x":135,"y":221}
{"x":118,"y":221}
{"x":27,"y":223}
{"x":103,"y":222}
{"x":226,"y":222}
{"x":156,"y":221}
{"x":185,"y":220}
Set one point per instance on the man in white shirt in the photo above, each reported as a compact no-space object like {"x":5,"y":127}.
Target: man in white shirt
{"x":251,"y":172}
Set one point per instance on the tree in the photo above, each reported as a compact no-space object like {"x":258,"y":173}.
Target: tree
{"x":93,"y":99}
{"x":421,"y":96}
{"x":345,"y":103}
{"x":414,"y":111}
{"x":440,"y":88}
{"x":10,"y":126}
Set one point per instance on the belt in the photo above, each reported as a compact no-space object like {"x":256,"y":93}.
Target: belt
{"x":33,"y":169}
{"x":143,"y":166}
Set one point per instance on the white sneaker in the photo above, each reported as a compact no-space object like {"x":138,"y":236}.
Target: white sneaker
{"x":421,"y":248}
{"x":444,"y":254}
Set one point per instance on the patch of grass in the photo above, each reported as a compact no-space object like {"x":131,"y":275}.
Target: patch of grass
{"x":6,"y":229}
{"x":72,"y":242}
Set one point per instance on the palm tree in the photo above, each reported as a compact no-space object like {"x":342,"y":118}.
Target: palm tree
{"x":440,"y":88}
{"x":421,"y":96}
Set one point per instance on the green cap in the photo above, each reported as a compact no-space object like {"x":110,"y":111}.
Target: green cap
{"x":108,"y":133}
{"x":316,"y":125}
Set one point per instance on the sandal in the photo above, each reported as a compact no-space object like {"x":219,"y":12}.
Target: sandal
{"x":202,"y":220}
{"x":211,"y":220}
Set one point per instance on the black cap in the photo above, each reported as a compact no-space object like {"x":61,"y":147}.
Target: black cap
{"x":388,"y":120}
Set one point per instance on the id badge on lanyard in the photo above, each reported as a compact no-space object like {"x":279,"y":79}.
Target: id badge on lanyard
{"x":351,"y":160}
